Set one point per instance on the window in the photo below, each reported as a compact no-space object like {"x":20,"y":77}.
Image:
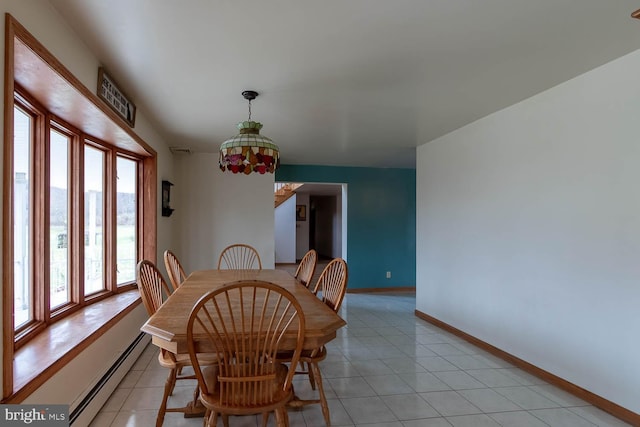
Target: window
{"x":60,"y":222}
{"x":59,"y":174}
{"x":66,"y":208}
{"x":22,"y":195}
{"x":126,"y":220}
{"x":94,"y":197}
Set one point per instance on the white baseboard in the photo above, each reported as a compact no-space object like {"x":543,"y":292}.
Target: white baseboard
{"x":92,"y":402}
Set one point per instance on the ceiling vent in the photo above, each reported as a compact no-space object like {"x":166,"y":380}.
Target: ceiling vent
{"x":180,"y":150}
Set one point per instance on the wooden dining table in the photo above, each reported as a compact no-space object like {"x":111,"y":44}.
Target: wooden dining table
{"x":168,"y":325}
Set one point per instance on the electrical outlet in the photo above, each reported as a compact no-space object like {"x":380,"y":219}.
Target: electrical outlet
{"x":388,"y":275}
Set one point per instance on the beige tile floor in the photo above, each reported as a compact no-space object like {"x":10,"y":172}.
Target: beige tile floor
{"x":387,"y":368}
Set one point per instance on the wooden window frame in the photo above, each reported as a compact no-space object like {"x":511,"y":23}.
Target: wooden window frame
{"x":45,"y":122}
{"x":39,"y":78}
{"x":139,"y":208}
{"x":49,"y":316}
{"x":107,"y":188}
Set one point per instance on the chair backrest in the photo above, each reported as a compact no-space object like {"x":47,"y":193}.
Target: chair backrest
{"x":333,"y":283}
{"x":307,"y":267}
{"x":245,"y":324}
{"x":151,"y":285}
{"x":239,"y":257}
{"x":174,"y":269}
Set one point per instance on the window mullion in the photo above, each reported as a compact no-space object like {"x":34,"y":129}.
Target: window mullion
{"x":42,"y":256}
{"x":140,"y":213}
{"x":109,"y":233}
{"x":76,"y":217}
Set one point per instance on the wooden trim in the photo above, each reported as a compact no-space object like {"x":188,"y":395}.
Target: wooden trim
{"x":7,"y":217}
{"x":42,"y":222}
{"x":598,"y":401}
{"x":109,"y":229}
{"x":127,"y":137}
{"x":149,"y":216}
{"x":76,"y":266}
{"x":402,"y":289}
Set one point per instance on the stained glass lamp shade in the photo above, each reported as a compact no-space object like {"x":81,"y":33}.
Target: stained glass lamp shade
{"x":249,"y":151}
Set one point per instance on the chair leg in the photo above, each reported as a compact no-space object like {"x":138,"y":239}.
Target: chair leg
{"x":282,"y":418}
{"x":168,"y":389}
{"x":225,"y":420}
{"x":196,"y":395}
{"x":312,"y":379}
{"x":265,"y":419}
{"x":174,"y":378}
{"x":323,"y":400}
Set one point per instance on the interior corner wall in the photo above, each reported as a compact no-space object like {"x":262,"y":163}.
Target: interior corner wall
{"x":285,"y":231}
{"x":381,"y":215}
{"x":44,"y":22}
{"x":215,"y":209}
{"x":528,"y":230}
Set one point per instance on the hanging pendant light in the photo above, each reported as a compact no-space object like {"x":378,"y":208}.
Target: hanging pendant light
{"x":249,"y":151}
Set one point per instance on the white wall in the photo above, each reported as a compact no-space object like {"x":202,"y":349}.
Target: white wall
{"x":528,"y":230}
{"x":215,"y":209}
{"x":285,"y":231}
{"x":48,"y":27}
{"x":62,"y":391}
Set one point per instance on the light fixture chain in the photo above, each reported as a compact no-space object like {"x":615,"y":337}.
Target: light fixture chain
{"x":249,"y":110}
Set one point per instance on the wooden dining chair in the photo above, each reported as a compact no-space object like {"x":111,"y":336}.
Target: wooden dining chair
{"x":332,"y":283}
{"x":246,"y":323}
{"x":239,"y":257}
{"x":153,"y":288}
{"x":174,"y":269}
{"x":332,"y":286}
{"x":306,"y":268}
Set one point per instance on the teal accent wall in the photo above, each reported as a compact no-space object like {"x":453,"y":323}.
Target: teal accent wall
{"x":381,"y":220}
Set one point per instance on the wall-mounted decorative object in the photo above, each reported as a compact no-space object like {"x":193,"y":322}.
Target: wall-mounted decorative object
{"x":110,"y":93}
{"x":301,"y":212}
{"x":166,"y":198}
{"x":249,"y":151}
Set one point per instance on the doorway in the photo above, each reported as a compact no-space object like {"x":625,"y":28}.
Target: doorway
{"x":324,"y":230}
{"x":323,"y":226}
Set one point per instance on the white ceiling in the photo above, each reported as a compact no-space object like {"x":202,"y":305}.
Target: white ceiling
{"x":343,"y":82}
